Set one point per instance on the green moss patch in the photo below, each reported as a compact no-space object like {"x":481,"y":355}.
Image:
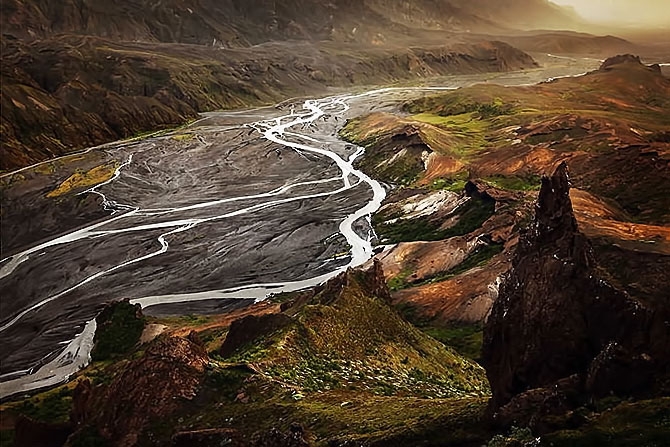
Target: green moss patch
{"x":409,"y":230}
{"x":120,"y":327}
{"x":457,"y":103}
{"x":472,"y":215}
{"x":51,"y":407}
{"x":454,"y":183}
{"x":464,"y":338}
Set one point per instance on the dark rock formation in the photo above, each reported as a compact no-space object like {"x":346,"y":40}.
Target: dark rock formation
{"x":81,"y":400}
{"x":147,"y":389}
{"x":620,"y":59}
{"x":194,"y":338}
{"x":374,"y":282}
{"x":630,"y":60}
{"x":371,"y":280}
{"x":245,"y":330}
{"x":557,"y":318}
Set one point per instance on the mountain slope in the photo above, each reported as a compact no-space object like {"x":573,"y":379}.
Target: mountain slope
{"x":334,"y":366}
{"x":71,"y":92}
{"x":346,"y":334}
{"x":234,"y":22}
{"x":227,"y":22}
{"x":521,"y":14}
{"x":78,"y":73}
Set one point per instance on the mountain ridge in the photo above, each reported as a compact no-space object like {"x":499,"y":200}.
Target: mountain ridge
{"x":157,"y":64}
{"x":243,"y":23}
{"x":72,"y":92}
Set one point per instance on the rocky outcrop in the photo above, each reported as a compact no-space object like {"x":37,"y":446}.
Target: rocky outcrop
{"x":620,"y":59}
{"x":147,"y":389}
{"x":559,"y":326}
{"x":399,"y":158}
{"x":371,"y":281}
{"x":119,"y":328}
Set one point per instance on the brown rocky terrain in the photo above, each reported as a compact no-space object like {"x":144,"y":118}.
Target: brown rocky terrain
{"x":139,"y":393}
{"x":608,"y":125}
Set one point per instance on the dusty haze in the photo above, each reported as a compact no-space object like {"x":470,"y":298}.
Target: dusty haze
{"x":638,"y":13}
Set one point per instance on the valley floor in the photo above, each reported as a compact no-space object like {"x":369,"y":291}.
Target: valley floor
{"x":175,"y":222}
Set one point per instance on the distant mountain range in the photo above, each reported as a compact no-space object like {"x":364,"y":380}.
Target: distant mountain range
{"x":244,"y":22}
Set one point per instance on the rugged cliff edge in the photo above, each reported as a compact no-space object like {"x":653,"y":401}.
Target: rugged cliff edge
{"x":559,"y":334}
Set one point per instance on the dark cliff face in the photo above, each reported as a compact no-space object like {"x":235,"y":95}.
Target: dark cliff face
{"x":557,"y":322}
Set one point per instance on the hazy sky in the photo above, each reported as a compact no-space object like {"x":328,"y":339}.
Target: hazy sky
{"x":637,"y":12}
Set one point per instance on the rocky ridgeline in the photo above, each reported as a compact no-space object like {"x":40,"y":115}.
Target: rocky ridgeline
{"x":559,"y":334}
{"x":345,"y":333}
